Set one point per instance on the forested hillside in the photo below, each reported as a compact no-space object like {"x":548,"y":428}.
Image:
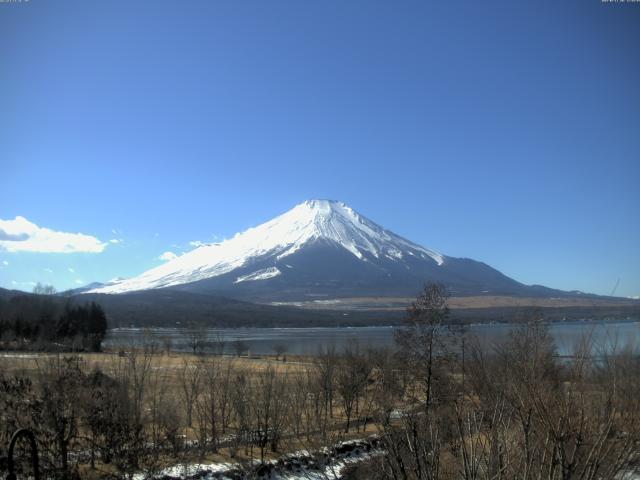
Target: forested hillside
{"x":48,"y":322}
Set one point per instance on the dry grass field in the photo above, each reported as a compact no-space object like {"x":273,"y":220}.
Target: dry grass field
{"x":169,"y":385}
{"x":479,"y":301}
{"x":168,"y":363}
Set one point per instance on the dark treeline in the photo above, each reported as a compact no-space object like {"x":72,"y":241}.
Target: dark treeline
{"x":46,"y":322}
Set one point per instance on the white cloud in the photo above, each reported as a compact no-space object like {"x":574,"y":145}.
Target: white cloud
{"x":23,"y":284}
{"x":21,"y":235}
{"x":166,"y":256}
{"x":5,"y":263}
{"x":115,"y":240}
{"x":71,"y":270}
{"x":197,"y":243}
{"x":78,"y":282}
{"x":48,"y":270}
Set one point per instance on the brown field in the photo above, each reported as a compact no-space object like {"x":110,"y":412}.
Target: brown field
{"x":25,"y":361}
{"x":165,"y":380}
{"x":483,"y":301}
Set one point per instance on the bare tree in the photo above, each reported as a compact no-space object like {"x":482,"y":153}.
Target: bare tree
{"x":531,"y":417}
{"x":325,"y":364}
{"x":224,"y":389}
{"x":42,"y":289}
{"x":300,"y":402}
{"x":162,"y":423}
{"x":61,"y":382}
{"x":190,"y":382}
{"x":167,"y":344}
{"x":240,"y":347}
{"x":240,"y":402}
{"x":423,"y":342}
{"x":415,"y":441}
{"x":219,"y":343}
{"x":213,"y":403}
{"x":196,"y":338}
{"x":269,"y":409}
{"x":351,"y":379}
{"x":279,"y":349}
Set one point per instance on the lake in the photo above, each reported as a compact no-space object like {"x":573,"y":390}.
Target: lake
{"x":305,"y":341}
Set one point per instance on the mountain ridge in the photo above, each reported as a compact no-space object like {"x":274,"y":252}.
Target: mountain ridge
{"x":320,"y":249}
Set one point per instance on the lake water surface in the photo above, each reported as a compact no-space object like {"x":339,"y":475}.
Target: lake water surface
{"x":305,"y":341}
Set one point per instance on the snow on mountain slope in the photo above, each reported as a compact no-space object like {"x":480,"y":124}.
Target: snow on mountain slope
{"x":306,"y":223}
{"x":263,"y":274}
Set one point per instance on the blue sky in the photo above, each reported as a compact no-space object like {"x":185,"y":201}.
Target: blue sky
{"x":508,"y":132}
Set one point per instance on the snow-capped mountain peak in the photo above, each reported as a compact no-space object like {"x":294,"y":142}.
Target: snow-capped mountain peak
{"x":337,"y":222}
{"x":327,"y":221}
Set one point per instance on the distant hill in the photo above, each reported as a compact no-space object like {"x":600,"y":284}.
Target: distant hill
{"x":175,"y":308}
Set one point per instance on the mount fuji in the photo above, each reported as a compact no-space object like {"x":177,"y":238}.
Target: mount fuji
{"x":320,"y":249}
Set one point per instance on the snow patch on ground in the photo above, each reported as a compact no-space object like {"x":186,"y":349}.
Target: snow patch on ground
{"x":294,"y":466}
{"x":628,"y":475}
{"x":190,"y":470}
